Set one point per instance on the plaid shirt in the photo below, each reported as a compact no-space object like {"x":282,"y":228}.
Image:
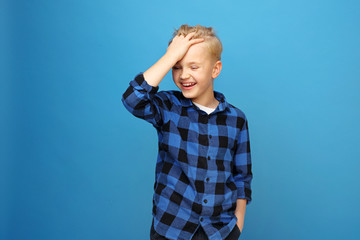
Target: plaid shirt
{"x":203,"y":165}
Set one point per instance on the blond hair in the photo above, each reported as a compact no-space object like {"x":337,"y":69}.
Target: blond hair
{"x":208,"y":33}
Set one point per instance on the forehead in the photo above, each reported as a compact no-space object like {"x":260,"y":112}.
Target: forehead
{"x":197,"y":53}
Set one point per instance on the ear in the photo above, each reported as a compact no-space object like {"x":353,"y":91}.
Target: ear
{"x":216,"y":69}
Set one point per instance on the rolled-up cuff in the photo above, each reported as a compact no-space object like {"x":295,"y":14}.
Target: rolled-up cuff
{"x":244,"y":194}
{"x":140,"y":80}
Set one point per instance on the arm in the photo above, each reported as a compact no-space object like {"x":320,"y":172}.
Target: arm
{"x":140,"y":98}
{"x":242,"y":172}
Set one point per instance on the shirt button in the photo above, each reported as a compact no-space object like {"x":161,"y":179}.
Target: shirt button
{"x":201,"y":219}
{"x":207,"y":179}
{"x":210,"y":136}
{"x":205,"y":201}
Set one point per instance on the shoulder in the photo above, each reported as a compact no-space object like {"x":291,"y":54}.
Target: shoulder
{"x":237,"y":114}
{"x":236,"y":111}
{"x":170,"y":97}
{"x":232,"y":110}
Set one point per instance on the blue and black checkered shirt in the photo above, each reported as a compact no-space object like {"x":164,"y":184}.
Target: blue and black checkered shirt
{"x":203,"y":165}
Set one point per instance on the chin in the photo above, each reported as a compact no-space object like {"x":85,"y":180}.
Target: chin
{"x":188,"y":95}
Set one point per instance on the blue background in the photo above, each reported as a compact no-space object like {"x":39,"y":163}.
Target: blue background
{"x":76,"y":165}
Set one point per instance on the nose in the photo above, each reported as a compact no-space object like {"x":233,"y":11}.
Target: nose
{"x":184,"y":75}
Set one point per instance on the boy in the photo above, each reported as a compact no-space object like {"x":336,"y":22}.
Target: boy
{"x":203,"y":169}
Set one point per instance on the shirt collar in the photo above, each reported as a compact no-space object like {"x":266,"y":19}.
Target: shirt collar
{"x":223,"y":104}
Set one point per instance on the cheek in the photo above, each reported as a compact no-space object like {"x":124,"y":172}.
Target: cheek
{"x":201,"y":75}
{"x":175,"y":74}
{"x":175,"y":77}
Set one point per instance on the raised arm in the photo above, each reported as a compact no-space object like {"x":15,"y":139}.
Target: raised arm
{"x":175,"y":52}
{"x":141,"y":97}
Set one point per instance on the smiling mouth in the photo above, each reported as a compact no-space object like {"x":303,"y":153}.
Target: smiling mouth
{"x":188,"y":85}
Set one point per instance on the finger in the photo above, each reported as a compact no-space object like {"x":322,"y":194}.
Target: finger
{"x":197,"y":40}
{"x":178,"y":36}
{"x":190,"y":35}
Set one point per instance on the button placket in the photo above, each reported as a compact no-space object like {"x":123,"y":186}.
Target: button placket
{"x":207,"y":179}
{"x":210,"y":136}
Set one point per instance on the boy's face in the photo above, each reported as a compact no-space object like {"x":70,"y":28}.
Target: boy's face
{"x":195,"y":72}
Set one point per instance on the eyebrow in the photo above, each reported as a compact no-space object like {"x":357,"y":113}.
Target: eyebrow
{"x":189,"y":63}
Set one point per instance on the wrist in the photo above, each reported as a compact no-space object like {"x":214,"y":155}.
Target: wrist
{"x":171,"y":58}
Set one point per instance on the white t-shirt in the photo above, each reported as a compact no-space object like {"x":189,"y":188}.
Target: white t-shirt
{"x":205,"y":109}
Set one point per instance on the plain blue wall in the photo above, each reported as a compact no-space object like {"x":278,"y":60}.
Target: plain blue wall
{"x":77,"y":165}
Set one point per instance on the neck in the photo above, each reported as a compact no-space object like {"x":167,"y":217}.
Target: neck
{"x":208,"y":101}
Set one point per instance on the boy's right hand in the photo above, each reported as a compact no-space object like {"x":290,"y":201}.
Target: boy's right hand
{"x":175,"y":52}
{"x":181,"y":44}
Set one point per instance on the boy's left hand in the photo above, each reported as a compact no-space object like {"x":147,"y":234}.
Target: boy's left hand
{"x":240,"y":212}
{"x":240,"y":221}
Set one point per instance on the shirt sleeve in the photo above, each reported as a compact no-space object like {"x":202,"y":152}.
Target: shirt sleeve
{"x":141,"y":100}
{"x":242,"y":171}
